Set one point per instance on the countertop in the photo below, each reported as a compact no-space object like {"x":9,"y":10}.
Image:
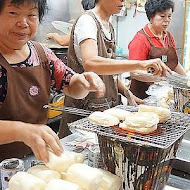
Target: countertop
{"x":174,"y":182}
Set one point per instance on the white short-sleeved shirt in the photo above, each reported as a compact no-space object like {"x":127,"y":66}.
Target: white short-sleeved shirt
{"x":86,"y":29}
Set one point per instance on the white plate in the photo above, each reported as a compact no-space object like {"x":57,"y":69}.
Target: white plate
{"x":64,"y":27}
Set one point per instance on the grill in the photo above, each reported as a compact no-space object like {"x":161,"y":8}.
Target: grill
{"x":166,"y":134}
{"x":144,"y":162}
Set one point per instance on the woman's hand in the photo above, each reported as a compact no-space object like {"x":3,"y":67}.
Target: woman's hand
{"x":132,"y":99}
{"x":81,"y":84}
{"x":93,"y":83}
{"x":157,"y":67}
{"x":145,"y":77}
{"x":138,"y":100}
{"x":39,"y":138}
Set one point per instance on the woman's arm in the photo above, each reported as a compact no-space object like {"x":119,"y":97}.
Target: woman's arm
{"x":36,"y":136}
{"x":62,"y":40}
{"x":132,"y":99}
{"x":180,"y":70}
{"x":106,"y":66}
{"x":81,"y":84}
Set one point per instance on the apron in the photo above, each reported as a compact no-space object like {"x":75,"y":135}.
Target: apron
{"x":106,"y":48}
{"x":28,"y":90}
{"x":167,"y":55}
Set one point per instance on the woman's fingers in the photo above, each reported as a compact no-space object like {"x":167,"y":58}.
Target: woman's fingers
{"x":39,"y":149}
{"x":95,"y":83}
{"x":39,"y":138}
{"x":56,"y":138}
{"x":157,"y":66}
{"x":53,"y":144}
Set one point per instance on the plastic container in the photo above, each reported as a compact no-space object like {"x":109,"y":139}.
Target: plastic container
{"x":9,"y":167}
{"x":53,"y":113}
{"x":141,"y":167}
{"x":94,"y":158}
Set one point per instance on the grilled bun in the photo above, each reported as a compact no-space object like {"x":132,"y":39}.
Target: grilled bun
{"x":140,"y":122}
{"x":103,"y":119}
{"x":163,"y":113}
{"x":119,"y":113}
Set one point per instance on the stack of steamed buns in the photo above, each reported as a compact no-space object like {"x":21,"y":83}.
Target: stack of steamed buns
{"x":144,"y":121}
{"x":67,"y":172}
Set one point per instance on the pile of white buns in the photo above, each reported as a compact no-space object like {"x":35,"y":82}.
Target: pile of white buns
{"x":144,"y":121}
{"x":67,"y":172}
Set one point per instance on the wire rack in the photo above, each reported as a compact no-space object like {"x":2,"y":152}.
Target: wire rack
{"x":177,"y":80}
{"x":165,"y":136}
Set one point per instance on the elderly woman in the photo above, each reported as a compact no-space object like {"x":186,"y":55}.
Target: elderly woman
{"x":92,"y":48}
{"x":154,"y":41}
{"x":28,"y":71}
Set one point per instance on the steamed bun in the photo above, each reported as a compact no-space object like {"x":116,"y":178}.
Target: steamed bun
{"x":110,"y":181}
{"x":59,"y":184}
{"x":63,"y":162}
{"x":44,"y":173}
{"x":26,"y":181}
{"x":86,"y":177}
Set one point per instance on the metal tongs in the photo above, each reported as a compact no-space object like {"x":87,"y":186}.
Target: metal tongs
{"x":174,"y":79}
{"x":71,"y":110}
{"x":177,"y":80}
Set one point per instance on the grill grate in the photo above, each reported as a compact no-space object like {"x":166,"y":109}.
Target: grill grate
{"x":166,"y":134}
{"x":176,"y":80}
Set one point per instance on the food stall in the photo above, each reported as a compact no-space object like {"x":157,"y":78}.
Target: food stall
{"x":143,"y":162}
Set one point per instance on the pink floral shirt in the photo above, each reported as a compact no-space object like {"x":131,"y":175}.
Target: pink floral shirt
{"x":60,"y":73}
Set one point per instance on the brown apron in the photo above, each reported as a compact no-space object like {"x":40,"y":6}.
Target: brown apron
{"x":28,"y":90}
{"x":106,"y":48}
{"x":137,"y":87}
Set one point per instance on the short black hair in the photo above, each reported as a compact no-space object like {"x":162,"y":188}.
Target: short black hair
{"x":41,"y":4}
{"x":88,"y":4}
{"x":154,"y":6}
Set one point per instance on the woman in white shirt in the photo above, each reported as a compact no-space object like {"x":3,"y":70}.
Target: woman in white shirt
{"x":92,"y":48}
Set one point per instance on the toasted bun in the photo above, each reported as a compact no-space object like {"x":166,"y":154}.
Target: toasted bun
{"x":103,"y":119}
{"x":142,"y":130}
{"x":140,"y":122}
{"x":163,"y":113}
{"x":119,"y":113}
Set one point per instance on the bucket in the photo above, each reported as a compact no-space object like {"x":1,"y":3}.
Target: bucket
{"x":182,"y":100}
{"x":140,"y":167}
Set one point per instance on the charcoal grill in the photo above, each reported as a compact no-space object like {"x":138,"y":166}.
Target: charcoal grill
{"x":144,"y":162}
{"x":166,"y":134}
